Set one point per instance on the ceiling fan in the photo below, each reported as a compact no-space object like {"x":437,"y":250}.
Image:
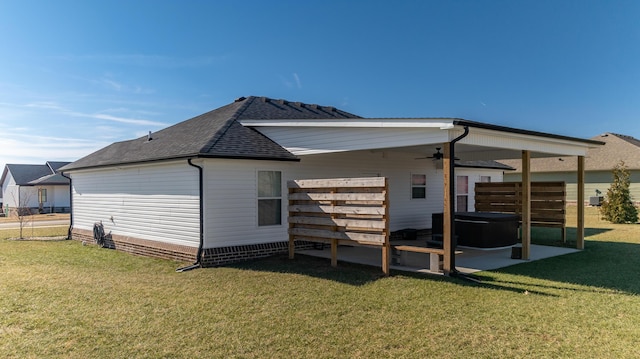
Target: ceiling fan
{"x":436,"y":156}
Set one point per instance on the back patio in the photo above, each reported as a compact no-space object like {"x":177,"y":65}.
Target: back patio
{"x":468,"y":260}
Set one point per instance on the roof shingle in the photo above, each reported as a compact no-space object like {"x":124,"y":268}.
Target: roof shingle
{"x":29,"y":174}
{"x":213,"y":134}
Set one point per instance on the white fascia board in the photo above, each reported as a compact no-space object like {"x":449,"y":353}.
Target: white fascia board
{"x":518,"y":141}
{"x":440,"y":123}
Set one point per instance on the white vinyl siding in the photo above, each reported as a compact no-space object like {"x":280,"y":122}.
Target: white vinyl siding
{"x":10,"y":193}
{"x":476,"y":175}
{"x":156,"y":202}
{"x":231,"y":192}
{"x":56,"y":196}
{"x":160,"y":201}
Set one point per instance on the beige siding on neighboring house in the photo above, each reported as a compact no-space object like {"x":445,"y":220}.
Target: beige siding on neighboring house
{"x":156,"y":202}
{"x":599,"y":164}
{"x":600,"y":180}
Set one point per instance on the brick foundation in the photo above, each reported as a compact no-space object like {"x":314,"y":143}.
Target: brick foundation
{"x":225,"y":255}
{"x":139,"y":246}
{"x":211,"y":257}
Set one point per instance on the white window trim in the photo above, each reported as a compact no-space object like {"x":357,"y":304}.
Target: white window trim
{"x":258,"y":198}
{"x":411,"y":186}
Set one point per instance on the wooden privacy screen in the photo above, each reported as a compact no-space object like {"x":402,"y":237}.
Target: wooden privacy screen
{"x":548,"y":201}
{"x":351,"y":211}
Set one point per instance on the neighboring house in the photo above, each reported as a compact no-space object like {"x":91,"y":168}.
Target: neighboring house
{"x":214,"y":186}
{"x":599,"y":164}
{"x":40,"y":188}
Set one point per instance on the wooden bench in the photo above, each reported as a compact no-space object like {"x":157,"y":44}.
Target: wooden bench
{"x":434,"y":254}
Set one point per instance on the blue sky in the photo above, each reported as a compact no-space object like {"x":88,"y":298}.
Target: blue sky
{"x":76,"y":76}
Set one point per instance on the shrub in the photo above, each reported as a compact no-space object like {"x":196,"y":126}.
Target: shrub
{"x":618,"y":206}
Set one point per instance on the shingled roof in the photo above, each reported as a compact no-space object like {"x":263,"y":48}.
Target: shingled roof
{"x":484,"y":164}
{"x":29,"y":174}
{"x":217,"y":133}
{"x":617,"y":148}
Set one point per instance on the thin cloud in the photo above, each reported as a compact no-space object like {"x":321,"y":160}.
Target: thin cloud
{"x":49,"y":105}
{"x":295,"y":83}
{"x":45,"y":105}
{"x":133,"y":121}
{"x":112,"y":84}
{"x":20,"y":148}
{"x":297,"y":79}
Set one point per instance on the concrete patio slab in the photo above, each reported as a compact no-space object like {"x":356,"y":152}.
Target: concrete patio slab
{"x":470,"y":260}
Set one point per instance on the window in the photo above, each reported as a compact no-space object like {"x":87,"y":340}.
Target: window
{"x":42,"y":195}
{"x":269,"y":198}
{"x":418,"y":186}
{"x":485,"y":179}
{"x":462,"y":193}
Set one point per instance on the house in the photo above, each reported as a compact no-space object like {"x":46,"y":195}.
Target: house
{"x":599,"y":164}
{"x":40,"y":188}
{"x":213,"y":188}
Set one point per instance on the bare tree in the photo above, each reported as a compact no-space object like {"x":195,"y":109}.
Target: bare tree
{"x":23,"y":211}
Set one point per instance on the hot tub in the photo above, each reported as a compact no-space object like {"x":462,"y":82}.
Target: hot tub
{"x":482,"y":229}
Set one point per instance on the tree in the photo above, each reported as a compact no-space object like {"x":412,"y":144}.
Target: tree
{"x":23,"y":211}
{"x":618,"y":206}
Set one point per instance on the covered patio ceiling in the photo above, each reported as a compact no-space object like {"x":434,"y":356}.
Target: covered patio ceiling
{"x":417,"y":135}
{"x":458,"y":138}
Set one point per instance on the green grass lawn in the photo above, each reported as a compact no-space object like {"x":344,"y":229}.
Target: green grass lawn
{"x":60,"y":299}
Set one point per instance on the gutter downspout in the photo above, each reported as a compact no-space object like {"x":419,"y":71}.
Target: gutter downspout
{"x":197,"y":263}
{"x":452,"y":194}
{"x":70,"y":204}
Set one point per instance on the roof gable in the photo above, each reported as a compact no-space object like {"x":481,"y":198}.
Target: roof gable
{"x":25,"y":174}
{"x":213,"y":134}
{"x":55,"y":165}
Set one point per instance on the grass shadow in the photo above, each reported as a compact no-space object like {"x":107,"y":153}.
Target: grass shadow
{"x":359,"y":274}
{"x":345,"y":272}
{"x":601,"y":266}
{"x":553,"y":236}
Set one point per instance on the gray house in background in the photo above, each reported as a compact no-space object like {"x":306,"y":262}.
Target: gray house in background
{"x":599,"y":164}
{"x":41,"y":188}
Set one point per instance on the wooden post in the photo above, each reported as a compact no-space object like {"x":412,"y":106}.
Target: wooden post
{"x":580,"y":204}
{"x":334,"y":242}
{"x":292,"y":243}
{"x":334,"y":252}
{"x":447,"y":240}
{"x":386,"y":247}
{"x":526,"y":204}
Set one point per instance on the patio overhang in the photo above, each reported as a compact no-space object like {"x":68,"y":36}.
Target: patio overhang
{"x":419,"y":135}
{"x":469,"y":140}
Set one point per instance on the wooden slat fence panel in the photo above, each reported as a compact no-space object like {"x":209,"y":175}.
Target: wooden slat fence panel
{"x":351,"y":211}
{"x":548,"y":201}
